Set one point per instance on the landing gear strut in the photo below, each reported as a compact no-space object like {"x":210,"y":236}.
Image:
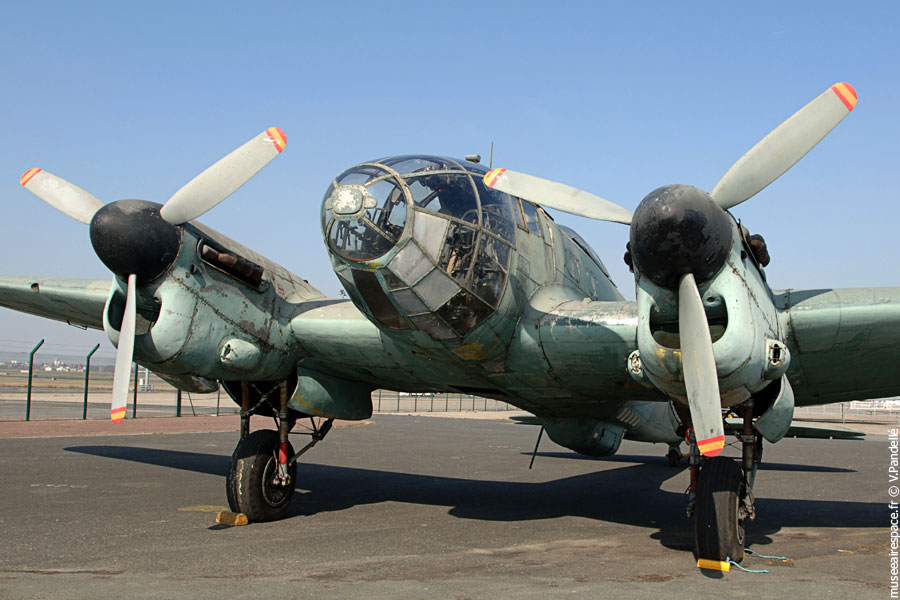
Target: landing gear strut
{"x":262,"y":473}
{"x":720,"y":497}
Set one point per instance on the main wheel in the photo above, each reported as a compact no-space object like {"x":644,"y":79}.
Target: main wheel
{"x":718,"y":525}
{"x":250,"y":485}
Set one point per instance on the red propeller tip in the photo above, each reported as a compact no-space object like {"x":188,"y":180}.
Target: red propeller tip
{"x":711,"y":446}
{"x":277,"y":137}
{"x":491,"y":177}
{"x":847,"y":94}
{"x":27,"y":175}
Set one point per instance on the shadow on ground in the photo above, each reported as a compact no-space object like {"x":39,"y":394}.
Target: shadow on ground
{"x":628,"y":495}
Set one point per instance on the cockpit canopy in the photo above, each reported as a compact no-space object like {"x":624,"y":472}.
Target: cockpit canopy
{"x":440,"y":238}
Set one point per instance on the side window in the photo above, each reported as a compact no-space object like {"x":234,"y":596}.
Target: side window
{"x":548,"y":228}
{"x":531,"y":217}
{"x":517,"y":208}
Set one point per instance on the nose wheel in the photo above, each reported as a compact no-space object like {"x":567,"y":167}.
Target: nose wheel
{"x":719,"y":518}
{"x":720,"y":496}
{"x":257,"y":484}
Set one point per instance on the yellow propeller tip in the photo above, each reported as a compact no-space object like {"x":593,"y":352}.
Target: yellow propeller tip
{"x":847,"y":94}
{"x":27,"y":175}
{"x":491,"y":177}
{"x":277,"y":137}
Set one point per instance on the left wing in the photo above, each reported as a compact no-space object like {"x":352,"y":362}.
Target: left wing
{"x":75,"y":301}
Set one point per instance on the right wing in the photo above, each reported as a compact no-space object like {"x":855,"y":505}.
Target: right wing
{"x":75,"y":301}
{"x":844,"y":343}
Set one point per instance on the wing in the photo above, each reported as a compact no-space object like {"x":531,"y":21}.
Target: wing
{"x":844,"y":343}
{"x":76,"y":301}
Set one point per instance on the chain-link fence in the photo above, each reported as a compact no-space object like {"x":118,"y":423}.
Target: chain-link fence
{"x":60,"y":394}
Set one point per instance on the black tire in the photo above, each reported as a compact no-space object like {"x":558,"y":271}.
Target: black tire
{"x":249,"y":485}
{"x":718,"y":528}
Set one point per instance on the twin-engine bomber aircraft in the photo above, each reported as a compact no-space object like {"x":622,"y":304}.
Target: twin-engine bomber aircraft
{"x":458,"y":281}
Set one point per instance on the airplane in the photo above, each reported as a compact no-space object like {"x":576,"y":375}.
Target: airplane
{"x":459,"y":280}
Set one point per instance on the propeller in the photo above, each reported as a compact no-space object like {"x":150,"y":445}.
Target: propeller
{"x":224,"y":177}
{"x":137,"y":239}
{"x":784,"y":146}
{"x":557,"y":195}
{"x":199,"y":195}
{"x":680,"y":234}
{"x":62,"y":195}
{"x":765,"y":162}
{"x":124,"y":353}
{"x":698,"y":366}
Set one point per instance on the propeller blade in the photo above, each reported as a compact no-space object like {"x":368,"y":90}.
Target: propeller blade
{"x":784,"y":146}
{"x":124,"y":354}
{"x":699,"y":369}
{"x":556,"y":195}
{"x":64,"y":196}
{"x":224,"y":177}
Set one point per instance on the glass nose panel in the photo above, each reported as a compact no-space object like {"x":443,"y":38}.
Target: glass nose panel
{"x":451,"y":194}
{"x":374,"y":231}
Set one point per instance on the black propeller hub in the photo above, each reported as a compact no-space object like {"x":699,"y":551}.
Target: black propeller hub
{"x":129,"y":236}
{"x":679,"y":229}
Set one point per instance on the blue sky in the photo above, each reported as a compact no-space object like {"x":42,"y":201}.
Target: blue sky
{"x":134,"y":99}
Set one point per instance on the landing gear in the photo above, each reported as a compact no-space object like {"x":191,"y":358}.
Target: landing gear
{"x":674,"y":455}
{"x":255,"y":485}
{"x":262,"y":474}
{"x":719,"y":521}
{"x":720,"y":496}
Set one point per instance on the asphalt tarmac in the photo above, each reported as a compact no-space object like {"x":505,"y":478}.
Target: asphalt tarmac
{"x":413,"y":507}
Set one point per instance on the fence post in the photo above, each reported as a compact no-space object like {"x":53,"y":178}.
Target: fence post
{"x":87,"y":371}
{"x":30,"y":374}
{"x":134,"y":400}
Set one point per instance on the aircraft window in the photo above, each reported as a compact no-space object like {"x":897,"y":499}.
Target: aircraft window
{"x":392,"y":281}
{"x":581,"y":243}
{"x":520,"y":219}
{"x":464,"y":312}
{"x":548,"y":229}
{"x":436,"y":288}
{"x":434,"y":327}
{"x":410,"y":302}
{"x":358,"y":240}
{"x":447,"y":193}
{"x":411,"y":264}
{"x":410,"y":164}
{"x":326,"y":212}
{"x":359,"y":175}
{"x":458,"y":251}
{"x":531,"y":217}
{"x":378,"y":302}
{"x":496,"y":211}
{"x":489,"y":272}
{"x":390,"y":214}
{"x":374,"y":233}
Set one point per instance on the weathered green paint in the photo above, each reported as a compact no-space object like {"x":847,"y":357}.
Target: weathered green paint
{"x":322,"y":395}
{"x":557,"y":344}
{"x":775,"y":422}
